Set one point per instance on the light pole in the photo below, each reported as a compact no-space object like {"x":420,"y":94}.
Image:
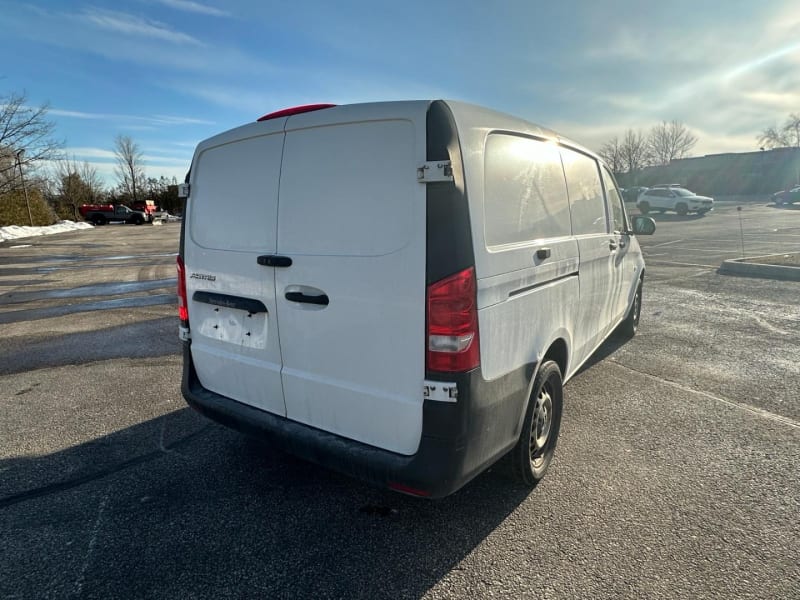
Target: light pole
{"x":19,"y":155}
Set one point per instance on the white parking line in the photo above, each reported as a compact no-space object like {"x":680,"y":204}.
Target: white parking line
{"x":666,"y":243}
{"x":731,"y":249}
{"x":740,"y":405}
{"x":681,"y":264}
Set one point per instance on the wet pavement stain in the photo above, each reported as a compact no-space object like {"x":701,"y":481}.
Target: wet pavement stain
{"x":113,"y":288}
{"x":17,"y":316}
{"x":99,"y":266}
{"x":19,"y":282}
{"x":62,"y":258}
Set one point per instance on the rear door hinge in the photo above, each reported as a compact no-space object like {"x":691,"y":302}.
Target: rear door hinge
{"x":183,"y":190}
{"x":437,"y":170}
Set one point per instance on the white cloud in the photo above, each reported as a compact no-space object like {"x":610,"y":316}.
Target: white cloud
{"x":152,"y":120}
{"x":98,"y":32}
{"x":194,"y":7}
{"x":84,"y":153}
{"x":106,"y":171}
{"x":166,"y":161}
{"x":103,"y":161}
{"x":241,"y":99}
{"x":102,"y":155}
{"x":120,"y":22}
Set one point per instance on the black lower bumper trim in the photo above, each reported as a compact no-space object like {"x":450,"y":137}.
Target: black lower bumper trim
{"x":445,"y":460}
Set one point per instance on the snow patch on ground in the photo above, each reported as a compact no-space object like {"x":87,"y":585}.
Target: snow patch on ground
{"x":13,"y":232}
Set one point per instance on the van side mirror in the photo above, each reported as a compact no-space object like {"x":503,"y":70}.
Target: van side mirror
{"x":643,"y":225}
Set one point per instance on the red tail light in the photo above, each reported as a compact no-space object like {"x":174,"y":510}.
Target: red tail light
{"x":453,"y":343}
{"x":295,"y":110}
{"x":183,"y":303}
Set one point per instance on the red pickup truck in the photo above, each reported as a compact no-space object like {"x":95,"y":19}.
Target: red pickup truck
{"x":100,"y":214}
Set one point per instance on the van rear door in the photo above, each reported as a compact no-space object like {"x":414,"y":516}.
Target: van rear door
{"x":232,"y":213}
{"x":351,"y":307}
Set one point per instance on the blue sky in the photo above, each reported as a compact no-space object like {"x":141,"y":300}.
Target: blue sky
{"x":170,"y":73}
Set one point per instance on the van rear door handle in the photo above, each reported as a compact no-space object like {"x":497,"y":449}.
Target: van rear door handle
{"x":612,"y":244}
{"x":273,"y":260}
{"x":321,"y":299}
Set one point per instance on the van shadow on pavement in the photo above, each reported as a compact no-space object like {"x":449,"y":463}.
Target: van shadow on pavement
{"x":181,"y":507}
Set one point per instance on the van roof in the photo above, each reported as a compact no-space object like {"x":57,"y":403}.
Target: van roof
{"x":467,"y":116}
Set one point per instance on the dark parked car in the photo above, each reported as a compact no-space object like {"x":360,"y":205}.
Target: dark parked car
{"x":631,"y":194}
{"x":789,"y":196}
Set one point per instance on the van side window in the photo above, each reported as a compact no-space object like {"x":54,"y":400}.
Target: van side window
{"x":525,"y":195}
{"x":614,"y":202}
{"x":585,"y":193}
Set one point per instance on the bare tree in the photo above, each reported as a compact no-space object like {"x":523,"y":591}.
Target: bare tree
{"x":26,"y":140}
{"x":669,"y":141}
{"x":634,"y":151}
{"x":130,"y":167}
{"x":76,"y":183}
{"x":611,"y":153}
{"x":792,"y":129}
{"x":772,"y":137}
{"x":785,"y":136}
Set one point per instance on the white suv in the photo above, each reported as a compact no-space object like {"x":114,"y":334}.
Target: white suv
{"x":675,"y":198}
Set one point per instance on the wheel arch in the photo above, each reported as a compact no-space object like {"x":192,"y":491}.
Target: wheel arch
{"x":557,"y":351}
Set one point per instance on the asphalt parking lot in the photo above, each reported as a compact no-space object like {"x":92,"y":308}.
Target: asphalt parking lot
{"x":676,"y":473}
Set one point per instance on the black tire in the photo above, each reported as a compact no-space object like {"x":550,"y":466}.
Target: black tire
{"x":536,"y":446}
{"x":682,"y":209}
{"x":137,"y":220}
{"x":644,"y":207}
{"x":630,"y":325}
{"x":98,"y":220}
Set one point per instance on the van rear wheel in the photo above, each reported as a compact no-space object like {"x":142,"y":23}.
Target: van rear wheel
{"x":536,"y":446}
{"x":630,"y":325}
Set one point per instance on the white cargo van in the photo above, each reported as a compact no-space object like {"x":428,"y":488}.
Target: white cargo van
{"x":399,"y":290}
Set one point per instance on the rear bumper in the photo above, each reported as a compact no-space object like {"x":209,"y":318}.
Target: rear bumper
{"x":459,"y":440}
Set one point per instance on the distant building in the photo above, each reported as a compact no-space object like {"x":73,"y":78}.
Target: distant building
{"x":744,"y":173}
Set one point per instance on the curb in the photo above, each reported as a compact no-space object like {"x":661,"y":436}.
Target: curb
{"x":736,"y":266}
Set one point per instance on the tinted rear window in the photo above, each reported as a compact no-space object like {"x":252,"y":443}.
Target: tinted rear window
{"x":525,"y":196}
{"x":585,"y":193}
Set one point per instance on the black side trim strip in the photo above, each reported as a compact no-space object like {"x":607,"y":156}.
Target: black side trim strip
{"x":528,"y":288}
{"x":248,"y":304}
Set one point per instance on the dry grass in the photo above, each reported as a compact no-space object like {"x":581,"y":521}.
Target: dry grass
{"x":13,"y":210}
